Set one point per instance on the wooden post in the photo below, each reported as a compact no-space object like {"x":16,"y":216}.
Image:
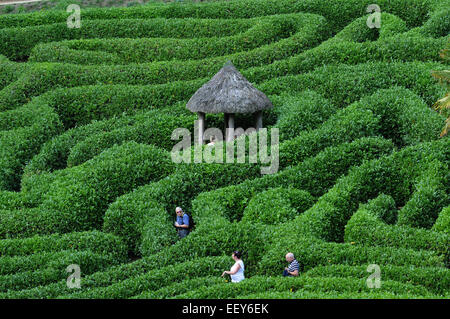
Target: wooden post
{"x":258,"y":120}
{"x":225,"y":116}
{"x":230,"y":134}
{"x":201,"y":127}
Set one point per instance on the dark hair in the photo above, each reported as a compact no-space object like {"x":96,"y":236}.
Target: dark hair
{"x":237,"y":253}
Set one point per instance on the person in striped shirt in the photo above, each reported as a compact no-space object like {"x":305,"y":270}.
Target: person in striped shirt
{"x":293,"y":268}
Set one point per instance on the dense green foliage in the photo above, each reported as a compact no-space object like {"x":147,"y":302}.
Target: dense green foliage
{"x":87,"y":177}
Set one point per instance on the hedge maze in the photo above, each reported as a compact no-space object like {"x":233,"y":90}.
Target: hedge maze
{"x":86,"y":175}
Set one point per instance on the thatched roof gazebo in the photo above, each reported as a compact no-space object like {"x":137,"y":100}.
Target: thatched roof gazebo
{"x":228,"y":92}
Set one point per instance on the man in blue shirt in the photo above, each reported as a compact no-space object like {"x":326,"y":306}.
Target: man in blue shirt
{"x":182,"y":223}
{"x":293,"y":268}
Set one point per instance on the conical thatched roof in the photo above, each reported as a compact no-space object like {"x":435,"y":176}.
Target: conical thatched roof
{"x":228,"y":92}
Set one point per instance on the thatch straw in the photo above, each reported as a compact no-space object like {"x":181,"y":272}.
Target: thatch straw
{"x":228,"y":92}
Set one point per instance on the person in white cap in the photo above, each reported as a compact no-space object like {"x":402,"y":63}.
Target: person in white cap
{"x":182,"y":223}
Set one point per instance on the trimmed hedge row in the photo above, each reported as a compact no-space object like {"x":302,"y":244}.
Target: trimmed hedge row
{"x":68,"y":75}
{"x":277,"y":205}
{"x":103,"y":278}
{"x":151,"y":128}
{"x":157,"y":278}
{"x":364,"y":228}
{"x":443,"y":221}
{"x":126,"y":215}
{"x":383,"y":207}
{"x":16,"y":43}
{"x":149,"y":202}
{"x":53,"y":155}
{"x":429,"y":197}
{"x":13,"y":200}
{"x":264,"y":31}
{"x":434,"y":279}
{"x":404,"y":117}
{"x":41,"y":261}
{"x":215,"y":245}
{"x":299,"y":112}
{"x":349,"y":83}
{"x":395,"y":113}
{"x":315,"y":175}
{"x":10,"y":71}
{"x":77,"y":200}
{"x":305,"y":294}
{"x":357,"y":31}
{"x":23,"y":116}
{"x":179,"y":288}
{"x":89,"y":263}
{"x":340,"y":12}
{"x":311,"y":252}
{"x":292,"y":284}
{"x":438,"y":25}
{"x":82,"y":105}
{"x":334,"y":51}
{"x":62,"y":75}
{"x":95,"y":241}
{"x":393,"y":175}
{"x":18,"y":145}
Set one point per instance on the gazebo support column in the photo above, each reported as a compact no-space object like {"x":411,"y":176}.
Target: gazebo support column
{"x":258,"y":120}
{"x":225,"y":117}
{"x":230,"y":128}
{"x":201,"y":127}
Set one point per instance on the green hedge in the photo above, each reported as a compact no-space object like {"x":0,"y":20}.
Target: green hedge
{"x":434,"y":279}
{"x":349,"y":83}
{"x":341,"y":12}
{"x":443,"y":221}
{"x":95,"y":241}
{"x":358,"y":31}
{"x":67,"y":75}
{"x":383,"y":206}
{"x":41,"y":261}
{"x":158,"y":278}
{"x":366,"y":229}
{"x":89,"y":262}
{"x":298,"y":112}
{"x":311,"y":252}
{"x":53,"y":155}
{"x":266,"y":284}
{"x":109,"y":50}
{"x":18,"y":145}
{"x":179,"y":288}
{"x":315,"y":175}
{"x":126,"y":215}
{"x":277,"y":205}
{"x":346,"y":125}
{"x":12,"y":200}
{"x":62,"y":75}
{"x":395,"y":113}
{"x":429,"y":197}
{"x":154,"y":127}
{"x":10,"y":71}
{"x":77,"y":200}
{"x":82,"y":105}
{"x":393,"y":175}
{"x":305,"y":294}
{"x":18,"y":42}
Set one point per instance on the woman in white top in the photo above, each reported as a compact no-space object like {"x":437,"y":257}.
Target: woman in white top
{"x":237,"y":271}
